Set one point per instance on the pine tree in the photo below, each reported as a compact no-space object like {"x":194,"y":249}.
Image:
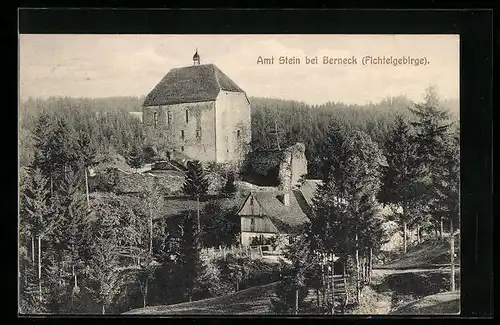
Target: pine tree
{"x":105,"y":273}
{"x":43,"y":155}
{"x":229,"y":187}
{"x":105,"y":276}
{"x":447,"y":193}
{"x":189,"y":257}
{"x":402,"y":180}
{"x":36,"y":212}
{"x":195,"y":185}
{"x":87,"y":157}
{"x":354,"y":168}
{"x":72,"y":234}
{"x":431,"y":124}
{"x":135,"y":157}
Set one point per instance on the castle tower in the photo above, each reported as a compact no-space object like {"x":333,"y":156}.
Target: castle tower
{"x":196,"y":58}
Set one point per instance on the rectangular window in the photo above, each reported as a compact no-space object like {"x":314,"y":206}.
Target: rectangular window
{"x":155,"y":119}
{"x":182,"y":134}
{"x":187,"y":116}
{"x":238,"y":133}
{"x":198,"y":133}
{"x":169,"y":117}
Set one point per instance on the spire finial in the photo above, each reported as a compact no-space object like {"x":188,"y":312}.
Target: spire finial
{"x":196,"y":58}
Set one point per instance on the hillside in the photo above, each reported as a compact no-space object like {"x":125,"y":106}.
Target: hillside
{"x":251,"y":301}
{"x":430,"y":253}
{"x":444,"y":303}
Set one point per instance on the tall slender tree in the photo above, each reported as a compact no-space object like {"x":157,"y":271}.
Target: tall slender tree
{"x":402,"y":177}
{"x":447,"y":193}
{"x":189,"y":262}
{"x":431,"y":124}
{"x":195,"y":185}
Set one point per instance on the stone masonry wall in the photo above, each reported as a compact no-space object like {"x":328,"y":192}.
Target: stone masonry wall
{"x":293,"y":166}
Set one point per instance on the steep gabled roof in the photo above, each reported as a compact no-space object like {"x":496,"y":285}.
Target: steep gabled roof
{"x":285,"y":218}
{"x":197,"y":83}
{"x":309,"y":188}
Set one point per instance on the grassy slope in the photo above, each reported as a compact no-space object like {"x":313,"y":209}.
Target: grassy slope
{"x":438,"y":304}
{"x":431,"y":253}
{"x":254,"y":300}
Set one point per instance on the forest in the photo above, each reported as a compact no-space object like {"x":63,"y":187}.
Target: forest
{"x":87,"y":252}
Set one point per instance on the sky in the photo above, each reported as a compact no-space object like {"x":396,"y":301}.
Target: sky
{"x":131,"y":65}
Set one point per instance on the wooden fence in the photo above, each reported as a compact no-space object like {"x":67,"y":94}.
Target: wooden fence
{"x":254,"y":252}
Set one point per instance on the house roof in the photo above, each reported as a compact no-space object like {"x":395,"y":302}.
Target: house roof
{"x":309,"y":188}
{"x":197,"y":83}
{"x":285,"y":218}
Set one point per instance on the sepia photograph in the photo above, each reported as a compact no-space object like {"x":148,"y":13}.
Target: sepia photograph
{"x":239,"y":174}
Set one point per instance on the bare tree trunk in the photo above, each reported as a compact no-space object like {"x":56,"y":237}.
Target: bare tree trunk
{"x":404,"y":237}
{"x":145,"y":293}
{"x":33,"y":249}
{"x":371,"y":265}
{"x":150,"y":230}
{"x":198,"y":213}
{"x":418,"y":234}
{"x":345,"y":281}
{"x":452,"y":256}
{"x":358,"y":291}
{"x":296,"y":301}
{"x":333,"y":287}
{"x":441,"y":228}
{"x":103,"y":309}
{"x":51,"y":186}
{"x":317,"y":298}
{"x":40,"y":268}
{"x":87,"y":188}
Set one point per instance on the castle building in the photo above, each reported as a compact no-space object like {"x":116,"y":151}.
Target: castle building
{"x":197,"y":112}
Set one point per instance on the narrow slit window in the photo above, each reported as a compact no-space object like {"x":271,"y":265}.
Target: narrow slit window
{"x":182,"y":134}
{"x":182,"y":148}
{"x":187,"y":116}
{"x":198,"y":133}
{"x":238,"y":133}
{"x":169,"y":117}
{"x":155,"y":119}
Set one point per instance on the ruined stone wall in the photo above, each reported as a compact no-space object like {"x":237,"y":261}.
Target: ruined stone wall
{"x":293,"y":166}
{"x":194,"y":137}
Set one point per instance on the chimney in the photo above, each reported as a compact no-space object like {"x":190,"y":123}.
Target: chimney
{"x":286,"y":198}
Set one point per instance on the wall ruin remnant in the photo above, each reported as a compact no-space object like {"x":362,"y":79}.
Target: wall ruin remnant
{"x":293,"y":166}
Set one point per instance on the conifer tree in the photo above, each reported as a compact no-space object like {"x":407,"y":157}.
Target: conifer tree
{"x":189,"y":257}
{"x":447,"y":193}
{"x":229,"y":187}
{"x":105,"y":275}
{"x":135,"y":157}
{"x":37,"y":214}
{"x":195,"y":185}
{"x":402,"y":177}
{"x":431,"y":124}
{"x":72,"y":234}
